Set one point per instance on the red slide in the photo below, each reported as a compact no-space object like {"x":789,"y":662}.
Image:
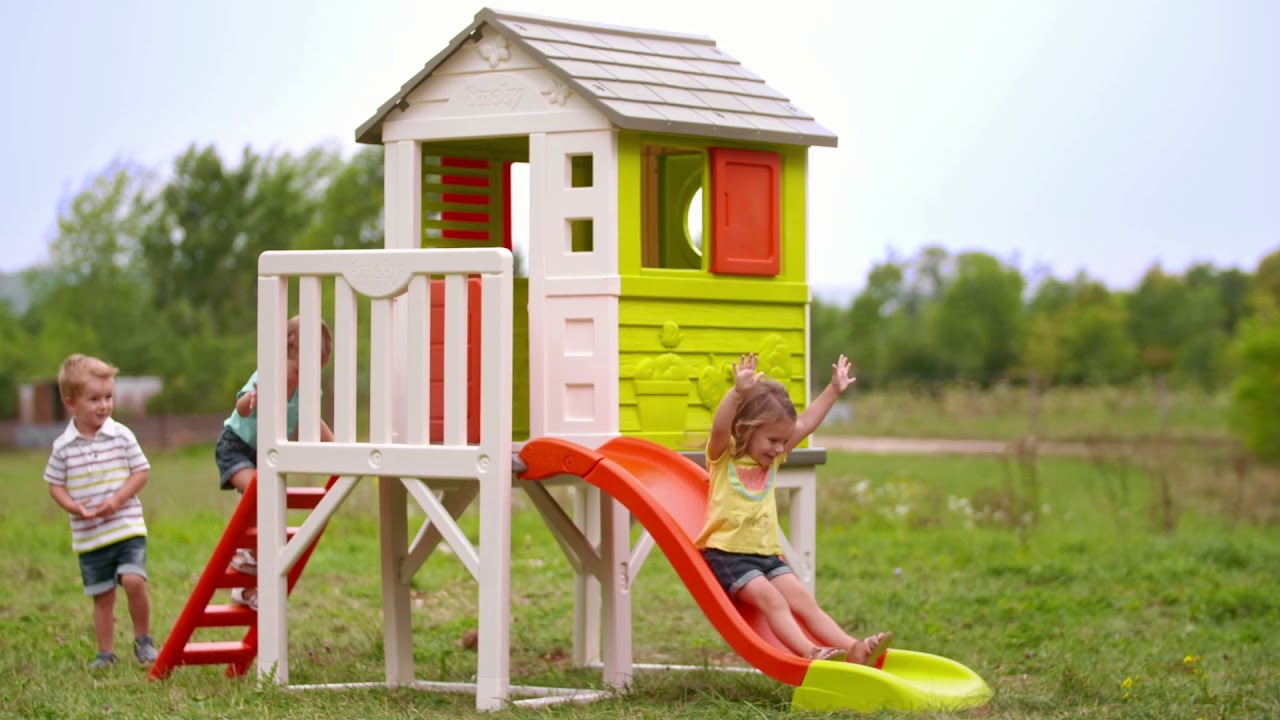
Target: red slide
{"x":667,"y":493}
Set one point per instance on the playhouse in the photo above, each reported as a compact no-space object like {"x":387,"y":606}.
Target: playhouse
{"x":667,"y":227}
{"x":667,"y":236}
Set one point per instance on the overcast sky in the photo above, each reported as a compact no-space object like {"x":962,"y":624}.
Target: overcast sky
{"x":1059,"y":135}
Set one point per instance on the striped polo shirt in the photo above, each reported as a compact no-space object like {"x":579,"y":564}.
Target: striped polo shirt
{"x":92,"y":470}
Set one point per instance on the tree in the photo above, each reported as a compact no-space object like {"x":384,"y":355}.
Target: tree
{"x":1234,"y":288}
{"x":1156,"y":322}
{"x":828,"y":338}
{"x":211,"y":222}
{"x":1267,"y":279}
{"x":868,"y":322}
{"x":350,"y":212}
{"x":980,"y":319}
{"x":1078,"y":333}
{"x":1096,"y":347}
{"x":91,"y":298}
{"x":1255,"y":394}
{"x":14,"y":347}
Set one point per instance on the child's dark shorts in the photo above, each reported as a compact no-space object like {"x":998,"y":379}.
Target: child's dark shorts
{"x":232,"y":455}
{"x":101,"y":568}
{"x":734,"y":570}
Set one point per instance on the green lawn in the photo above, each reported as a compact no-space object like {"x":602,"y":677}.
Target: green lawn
{"x":1065,"y":414}
{"x":1056,"y":587}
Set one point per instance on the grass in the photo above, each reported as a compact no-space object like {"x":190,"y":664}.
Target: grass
{"x":1058,"y":586}
{"x":1005,"y":412}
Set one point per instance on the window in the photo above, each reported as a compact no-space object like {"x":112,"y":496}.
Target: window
{"x":581,"y":171}
{"x":671,"y":208}
{"x":581,"y":235}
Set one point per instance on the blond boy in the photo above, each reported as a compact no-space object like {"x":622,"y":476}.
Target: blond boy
{"x":94,"y":473}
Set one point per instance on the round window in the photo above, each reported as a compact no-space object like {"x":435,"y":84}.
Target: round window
{"x":693,"y":222}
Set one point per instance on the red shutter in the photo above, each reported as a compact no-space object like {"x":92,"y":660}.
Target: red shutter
{"x":461,"y":201}
{"x":745,"y":212}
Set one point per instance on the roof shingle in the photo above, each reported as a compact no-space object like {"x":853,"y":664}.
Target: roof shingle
{"x":641,"y":79}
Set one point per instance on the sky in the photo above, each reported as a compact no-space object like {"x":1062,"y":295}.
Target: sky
{"x":1058,"y":135}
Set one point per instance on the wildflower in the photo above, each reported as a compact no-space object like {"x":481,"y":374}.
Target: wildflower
{"x":1191,"y":664}
{"x":1129,"y":684}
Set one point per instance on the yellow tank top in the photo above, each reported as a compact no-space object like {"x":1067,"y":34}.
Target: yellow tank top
{"x":742,"y":515}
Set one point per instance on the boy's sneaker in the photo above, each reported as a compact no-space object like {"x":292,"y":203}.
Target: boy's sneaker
{"x":103,"y":660}
{"x":144,"y":650}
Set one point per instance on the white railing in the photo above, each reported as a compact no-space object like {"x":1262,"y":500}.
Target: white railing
{"x":397,"y":284}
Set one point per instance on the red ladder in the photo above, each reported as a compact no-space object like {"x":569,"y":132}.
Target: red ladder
{"x":199,"y":612}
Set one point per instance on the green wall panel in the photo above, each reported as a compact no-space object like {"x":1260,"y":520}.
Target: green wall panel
{"x":696,"y":342}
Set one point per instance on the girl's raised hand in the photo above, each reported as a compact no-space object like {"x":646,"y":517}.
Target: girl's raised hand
{"x":840,"y":378}
{"x":744,"y":373}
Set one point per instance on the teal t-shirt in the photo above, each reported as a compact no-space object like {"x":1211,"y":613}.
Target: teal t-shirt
{"x":246,"y":428}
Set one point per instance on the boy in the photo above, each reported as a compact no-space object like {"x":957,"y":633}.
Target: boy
{"x":94,"y":473}
{"x":236,"y":453}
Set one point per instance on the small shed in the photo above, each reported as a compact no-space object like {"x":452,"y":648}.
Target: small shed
{"x":667,"y":226}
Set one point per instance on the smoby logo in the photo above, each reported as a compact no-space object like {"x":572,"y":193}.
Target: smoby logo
{"x":503,"y":97}
{"x":373,"y":271}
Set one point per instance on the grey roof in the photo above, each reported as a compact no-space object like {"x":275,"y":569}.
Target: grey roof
{"x":641,"y":80}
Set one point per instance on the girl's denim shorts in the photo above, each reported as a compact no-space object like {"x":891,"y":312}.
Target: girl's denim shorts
{"x":734,"y":570}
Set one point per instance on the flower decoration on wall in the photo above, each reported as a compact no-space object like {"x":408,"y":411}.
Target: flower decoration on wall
{"x":668,"y":365}
{"x":558,"y":93}
{"x":493,"y":48}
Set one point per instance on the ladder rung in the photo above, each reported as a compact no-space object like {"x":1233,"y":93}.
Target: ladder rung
{"x":227,"y":616}
{"x":251,"y":534}
{"x":234,"y":579}
{"x":304,"y":498}
{"x":199,"y":612}
{"x":216,"y":653}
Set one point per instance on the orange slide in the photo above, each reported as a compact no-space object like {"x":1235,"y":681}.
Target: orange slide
{"x":667,"y":493}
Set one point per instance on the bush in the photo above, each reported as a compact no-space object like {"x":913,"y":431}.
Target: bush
{"x":1255,"y":396}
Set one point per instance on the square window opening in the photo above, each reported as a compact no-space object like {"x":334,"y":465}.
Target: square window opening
{"x":581,"y":171}
{"x":581,"y":235}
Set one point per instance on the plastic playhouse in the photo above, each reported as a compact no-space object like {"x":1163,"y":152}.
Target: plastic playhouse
{"x":667,"y":235}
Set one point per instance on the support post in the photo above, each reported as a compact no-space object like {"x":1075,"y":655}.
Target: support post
{"x":586,"y":587}
{"x":273,"y":622}
{"x":615,"y":553}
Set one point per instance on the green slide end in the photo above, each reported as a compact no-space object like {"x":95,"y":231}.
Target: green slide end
{"x":908,"y":681}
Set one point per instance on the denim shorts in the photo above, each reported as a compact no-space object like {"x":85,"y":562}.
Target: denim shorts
{"x":734,"y":570}
{"x":101,"y":568}
{"x":232,"y":455}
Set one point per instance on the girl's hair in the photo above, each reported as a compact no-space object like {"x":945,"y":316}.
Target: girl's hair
{"x":76,"y":372}
{"x":766,"y":402}
{"x":295,"y":337}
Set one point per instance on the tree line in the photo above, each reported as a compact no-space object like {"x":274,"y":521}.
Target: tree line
{"x":940,"y":318}
{"x":154,"y":271}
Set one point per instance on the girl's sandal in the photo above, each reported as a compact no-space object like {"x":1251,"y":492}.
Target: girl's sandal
{"x":827,"y":653}
{"x":245,"y":596}
{"x":244,"y":562}
{"x":871,"y":654}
